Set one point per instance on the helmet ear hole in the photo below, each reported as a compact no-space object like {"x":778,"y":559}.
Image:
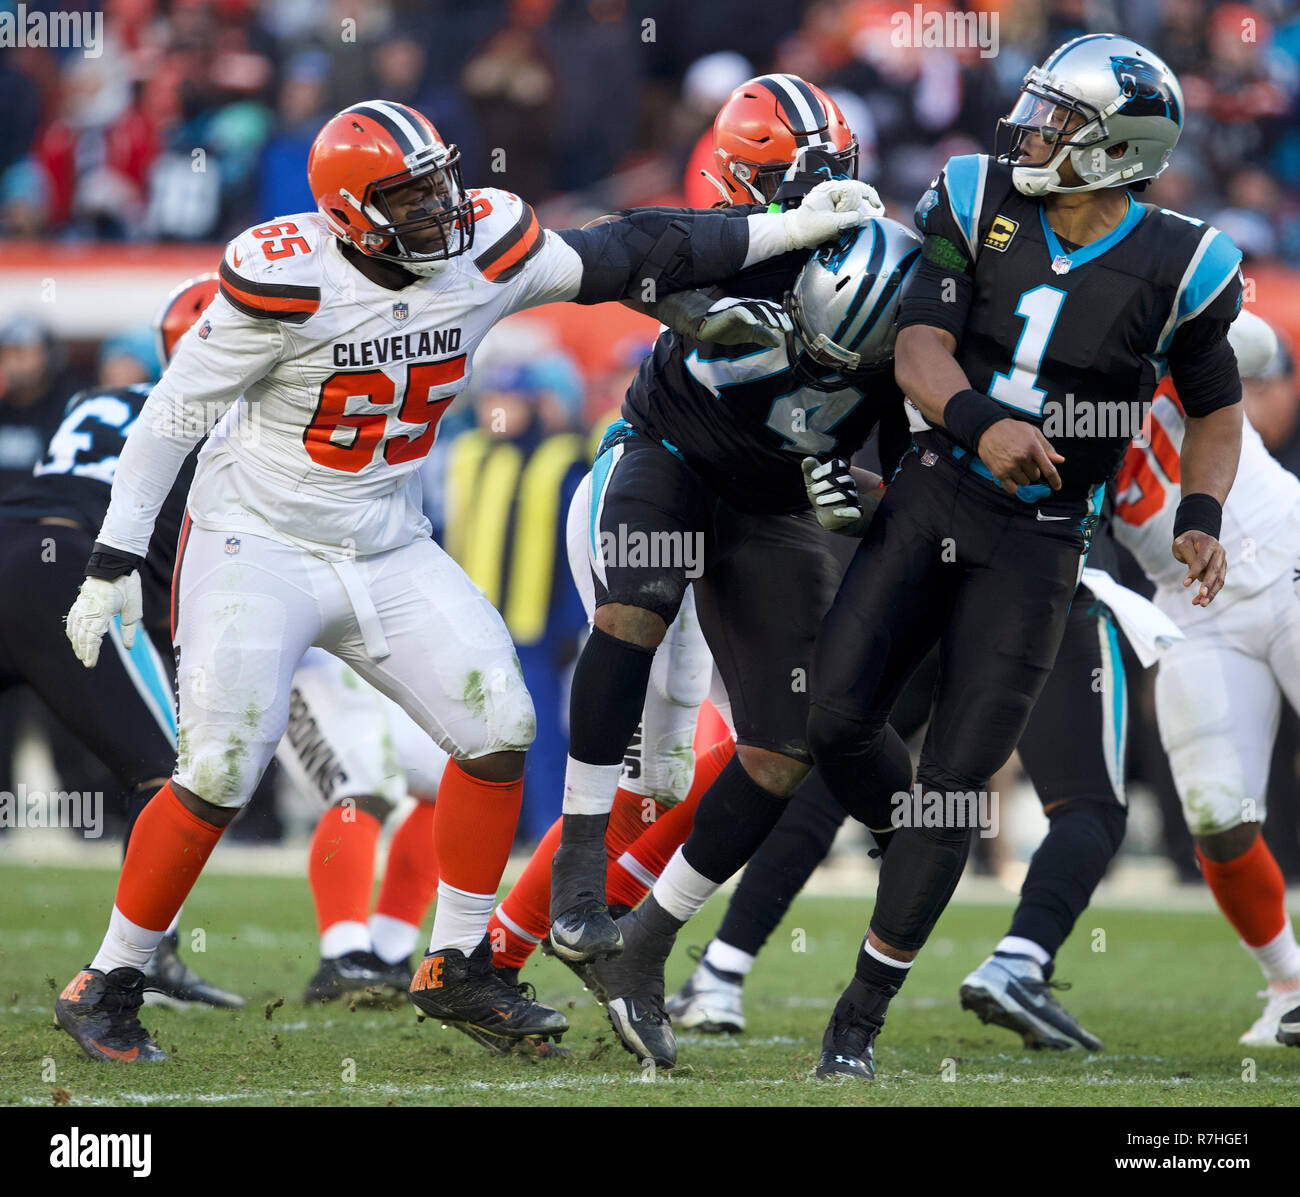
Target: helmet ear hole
{"x":340,"y":215}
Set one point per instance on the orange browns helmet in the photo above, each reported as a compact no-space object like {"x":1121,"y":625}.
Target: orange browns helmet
{"x":180,"y":310}
{"x":367,"y":150}
{"x":762,"y":127}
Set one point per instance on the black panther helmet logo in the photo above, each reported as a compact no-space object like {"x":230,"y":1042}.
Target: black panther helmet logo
{"x":1144,"y":87}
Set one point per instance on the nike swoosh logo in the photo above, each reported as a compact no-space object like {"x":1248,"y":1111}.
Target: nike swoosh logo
{"x":114,"y":1053}
{"x":1045,"y":518}
{"x":234,"y":253}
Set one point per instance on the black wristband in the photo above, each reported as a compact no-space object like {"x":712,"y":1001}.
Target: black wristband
{"x":969,"y":413}
{"x":109,"y":563}
{"x":1199,"y":513}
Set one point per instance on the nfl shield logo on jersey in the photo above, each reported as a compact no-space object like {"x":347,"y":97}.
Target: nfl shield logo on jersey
{"x":232,"y":545}
{"x":1061,"y":264}
{"x":401,"y":311}
{"x":929,"y":457}
{"x":205,"y":330}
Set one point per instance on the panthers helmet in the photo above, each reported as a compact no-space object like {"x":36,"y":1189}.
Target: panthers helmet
{"x":180,"y":310}
{"x":366,"y":151}
{"x":1123,"y":95}
{"x":762,"y":127}
{"x":845,"y":301}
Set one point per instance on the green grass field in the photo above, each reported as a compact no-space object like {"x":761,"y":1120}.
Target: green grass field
{"x":1169,"y":995}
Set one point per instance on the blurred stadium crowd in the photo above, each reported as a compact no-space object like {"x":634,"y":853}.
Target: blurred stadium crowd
{"x":196,"y":120}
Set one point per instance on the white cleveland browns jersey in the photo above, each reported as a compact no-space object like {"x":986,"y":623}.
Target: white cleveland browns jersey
{"x":328,"y":388}
{"x":1259,"y":532}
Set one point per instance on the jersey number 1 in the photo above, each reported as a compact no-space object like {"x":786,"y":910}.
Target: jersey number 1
{"x":1019,"y":387}
{"x":326,"y":446}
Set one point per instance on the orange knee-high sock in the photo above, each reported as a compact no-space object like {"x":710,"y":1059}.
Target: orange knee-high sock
{"x":1250,"y":891}
{"x":411,"y":873}
{"x":341,"y":872}
{"x":524,"y":915}
{"x":631,"y":877}
{"x":168,"y":849}
{"x":629,"y":818}
{"x":474,"y":826}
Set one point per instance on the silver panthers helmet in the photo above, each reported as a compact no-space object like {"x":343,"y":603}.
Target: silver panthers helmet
{"x":1124,"y":94}
{"x":845,"y":300}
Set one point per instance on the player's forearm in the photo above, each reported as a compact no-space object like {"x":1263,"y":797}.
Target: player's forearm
{"x":168,"y":428}
{"x":1211,"y":449}
{"x":682,"y":311}
{"x":645,"y":255}
{"x":926,"y":369}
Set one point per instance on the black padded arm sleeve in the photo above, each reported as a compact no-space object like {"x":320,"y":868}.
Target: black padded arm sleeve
{"x":674,"y":251}
{"x":937,"y":295}
{"x":1204,"y":367}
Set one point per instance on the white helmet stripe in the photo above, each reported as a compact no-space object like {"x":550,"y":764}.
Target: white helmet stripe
{"x":410,"y":136}
{"x":804,"y":118}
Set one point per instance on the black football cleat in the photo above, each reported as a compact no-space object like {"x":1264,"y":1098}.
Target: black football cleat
{"x":1014,"y":991}
{"x":1288,"y":1028}
{"x":350,"y":975}
{"x":634,"y":987}
{"x":395,"y":976}
{"x":848,"y":1044}
{"x":170,"y":982}
{"x":586,"y":973}
{"x":582,"y":928}
{"x":467,"y":993}
{"x":100,"y":1011}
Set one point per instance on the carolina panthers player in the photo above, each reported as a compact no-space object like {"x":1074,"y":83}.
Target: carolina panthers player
{"x":709,"y":451}
{"x":1048,"y":303}
{"x":126,"y":717}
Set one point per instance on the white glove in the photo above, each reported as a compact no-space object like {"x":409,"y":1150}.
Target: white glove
{"x":98,"y":601}
{"x":833,"y":493}
{"x":745,"y":322}
{"x":828,"y":209}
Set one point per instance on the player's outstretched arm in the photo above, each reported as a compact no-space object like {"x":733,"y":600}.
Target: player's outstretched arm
{"x":649,"y":253}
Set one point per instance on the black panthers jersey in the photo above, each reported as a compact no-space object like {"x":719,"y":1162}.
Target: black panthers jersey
{"x":74,"y":481}
{"x":743,"y":417}
{"x":1072,"y":338}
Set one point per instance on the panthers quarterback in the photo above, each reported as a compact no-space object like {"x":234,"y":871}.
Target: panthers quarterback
{"x":1048,"y":303}
{"x":322,"y":367}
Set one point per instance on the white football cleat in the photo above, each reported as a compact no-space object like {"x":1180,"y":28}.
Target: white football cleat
{"x":1263,"y":1032}
{"x":708,"y":1002}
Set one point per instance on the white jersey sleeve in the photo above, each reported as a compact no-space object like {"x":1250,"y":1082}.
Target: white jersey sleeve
{"x":512,"y":250}
{"x":214,"y":362}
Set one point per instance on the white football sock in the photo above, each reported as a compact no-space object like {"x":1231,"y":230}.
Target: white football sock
{"x":392,"y":939}
{"x":682,"y":891}
{"x":126,"y":944}
{"x":460,"y":920}
{"x":1017,"y":945}
{"x":727,"y":959}
{"x":343,"y":937}
{"x":1279,"y":959}
{"x":590,"y":789}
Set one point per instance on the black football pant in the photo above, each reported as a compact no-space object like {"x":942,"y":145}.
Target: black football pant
{"x":1078,"y":777}
{"x":949,"y":559}
{"x":122,"y":709}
